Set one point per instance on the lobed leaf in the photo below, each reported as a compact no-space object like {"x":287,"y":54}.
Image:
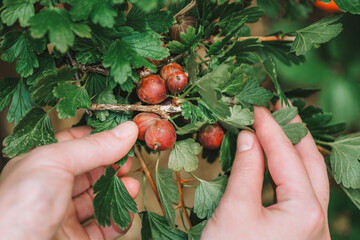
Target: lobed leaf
{"x":183,"y":155}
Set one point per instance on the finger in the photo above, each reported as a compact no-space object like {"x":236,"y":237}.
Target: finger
{"x":285,"y":165}
{"x":94,"y":231}
{"x":82,"y":155}
{"x":314,"y":164}
{"x":247,"y":173}
{"x":84,"y":202}
{"x":84,"y":181}
{"x":73,"y":133}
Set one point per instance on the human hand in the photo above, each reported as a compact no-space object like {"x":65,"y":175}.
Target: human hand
{"x":47,"y":192}
{"x":302,"y":188}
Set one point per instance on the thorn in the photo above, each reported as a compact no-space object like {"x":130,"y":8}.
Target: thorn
{"x":186,"y":180}
{"x":178,"y":206}
{"x":140,"y":170}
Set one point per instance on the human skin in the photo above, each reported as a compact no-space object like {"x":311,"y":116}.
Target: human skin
{"x":47,"y":193}
{"x":302,"y":188}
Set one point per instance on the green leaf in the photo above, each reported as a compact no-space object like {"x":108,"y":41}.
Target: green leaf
{"x":101,"y":12}
{"x":130,"y":51}
{"x":285,"y":115}
{"x":295,"y":131}
{"x":106,"y":96}
{"x":20,"y":104}
{"x":87,"y":51}
{"x":17,"y":45}
{"x":317,"y":33}
{"x":345,"y":160}
{"x":235,"y":85}
{"x":95,"y":83}
{"x":111,"y":121}
{"x":42,"y":90}
{"x":112,"y":198}
{"x":227,"y":151}
{"x":21,"y":10}
{"x":251,"y":93}
{"x":195,"y":232}
{"x":239,"y":117}
{"x":34,"y":128}
{"x":46,"y":65}
{"x":208,"y":88}
{"x":190,"y":128}
{"x":61,"y":29}
{"x":192,"y":112}
{"x":73,"y":97}
{"x":349,"y":6}
{"x":208,"y":195}
{"x":184,"y":155}
{"x":271,"y":7}
{"x":270,"y":69}
{"x":189,"y":40}
{"x":159,"y":21}
{"x":168,"y":193}
{"x":7,"y":89}
{"x":281,"y":51}
{"x":354,"y":195}
{"x":155,"y":227}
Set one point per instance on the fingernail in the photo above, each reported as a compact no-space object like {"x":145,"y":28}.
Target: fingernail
{"x":245,"y":141}
{"x":125,"y":130}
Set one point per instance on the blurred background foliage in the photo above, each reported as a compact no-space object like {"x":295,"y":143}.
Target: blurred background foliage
{"x":334,"y":69}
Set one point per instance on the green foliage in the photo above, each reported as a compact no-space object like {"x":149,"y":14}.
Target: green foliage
{"x":20,"y":104}
{"x":184,"y":156}
{"x":349,"y":6}
{"x":21,"y":10}
{"x":317,"y":33}
{"x":227,"y":151}
{"x":61,"y":29}
{"x":207,"y":196}
{"x":34,"y":128}
{"x":195,"y":232}
{"x":155,"y":227}
{"x":17,"y":45}
{"x":73,"y":97}
{"x":344,"y":160}
{"x":168,"y":193}
{"x":112,"y":197}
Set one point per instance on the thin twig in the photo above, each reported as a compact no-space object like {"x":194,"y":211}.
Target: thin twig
{"x":278,"y":37}
{"x":323,"y":150}
{"x":163,"y":110}
{"x":87,"y":68}
{"x":182,"y":203}
{"x":186,"y":9}
{"x":148,"y":175}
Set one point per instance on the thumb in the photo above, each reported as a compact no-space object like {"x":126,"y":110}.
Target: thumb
{"x":246,"y":178}
{"x":84,"y":154}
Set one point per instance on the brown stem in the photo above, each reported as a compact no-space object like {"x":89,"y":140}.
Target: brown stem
{"x":323,"y":151}
{"x":163,"y":110}
{"x":186,"y":9}
{"x":284,"y":38}
{"x":87,"y":68}
{"x":182,"y":203}
{"x":148,"y":175}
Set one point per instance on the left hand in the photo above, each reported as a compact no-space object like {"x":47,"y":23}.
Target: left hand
{"x":47,"y":192}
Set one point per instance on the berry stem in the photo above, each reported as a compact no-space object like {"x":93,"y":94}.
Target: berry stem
{"x":162,"y":110}
{"x":148,"y":175}
{"x":185,"y":10}
{"x":284,"y":38}
{"x":182,"y":203}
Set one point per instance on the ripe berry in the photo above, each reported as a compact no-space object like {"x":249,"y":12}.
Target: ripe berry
{"x":152,"y":89}
{"x":177,"y":82}
{"x":143,"y":121}
{"x":183,"y":24}
{"x":211,"y":136}
{"x":160,"y":136}
{"x":167,"y":70}
{"x":328,"y":7}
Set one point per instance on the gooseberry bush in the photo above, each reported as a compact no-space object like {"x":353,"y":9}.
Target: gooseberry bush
{"x":187,"y":72}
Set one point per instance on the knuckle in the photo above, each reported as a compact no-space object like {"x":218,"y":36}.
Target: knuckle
{"x":315,"y":218}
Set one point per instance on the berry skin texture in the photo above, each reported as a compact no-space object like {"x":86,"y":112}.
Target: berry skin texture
{"x":152,"y":89}
{"x":185,"y":23}
{"x":160,"y":136}
{"x":328,"y":7}
{"x":211,"y":136}
{"x":167,"y":70}
{"x":144,"y":121}
{"x":177,"y":82}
